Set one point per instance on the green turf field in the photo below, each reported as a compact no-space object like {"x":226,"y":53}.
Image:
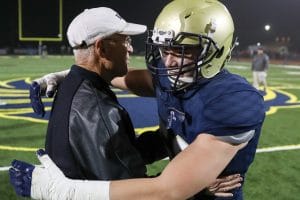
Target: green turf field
{"x":273,"y":175}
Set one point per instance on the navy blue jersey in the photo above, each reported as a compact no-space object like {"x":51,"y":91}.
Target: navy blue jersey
{"x":224,"y":105}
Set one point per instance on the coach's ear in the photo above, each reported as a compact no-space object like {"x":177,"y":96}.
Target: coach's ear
{"x":100,"y":48}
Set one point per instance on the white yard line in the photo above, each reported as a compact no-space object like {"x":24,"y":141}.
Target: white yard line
{"x":278,"y":148}
{"x":4,"y":168}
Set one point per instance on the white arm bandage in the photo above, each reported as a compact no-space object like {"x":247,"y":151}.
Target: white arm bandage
{"x":49,"y":183}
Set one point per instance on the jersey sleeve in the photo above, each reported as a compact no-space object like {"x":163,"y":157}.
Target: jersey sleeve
{"x":234,"y":113}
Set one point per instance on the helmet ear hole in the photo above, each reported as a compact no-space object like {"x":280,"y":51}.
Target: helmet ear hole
{"x":220,"y":53}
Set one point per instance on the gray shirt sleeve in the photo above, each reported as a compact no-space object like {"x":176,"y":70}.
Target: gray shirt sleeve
{"x":238,"y":139}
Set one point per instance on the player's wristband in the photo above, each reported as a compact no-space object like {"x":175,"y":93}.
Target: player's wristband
{"x":90,"y":190}
{"x":65,"y":188}
{"x":49,"y":183}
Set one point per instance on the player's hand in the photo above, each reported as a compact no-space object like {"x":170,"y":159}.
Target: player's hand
{"x":20,"y":177}
{"x":48,"y":182}
{"x":37,"y":182}
{"x":222,"y":186}
{"x":35,"y":94}
{"x":45,"y":85}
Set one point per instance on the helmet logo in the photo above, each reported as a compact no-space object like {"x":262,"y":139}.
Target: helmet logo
{"x":211,"y":28}
{"x":161,"y":36}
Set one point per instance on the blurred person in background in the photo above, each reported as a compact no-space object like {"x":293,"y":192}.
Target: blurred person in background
{"x":259,"y":67}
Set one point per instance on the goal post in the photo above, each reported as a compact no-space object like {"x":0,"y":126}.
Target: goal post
{"x":39,"y":36}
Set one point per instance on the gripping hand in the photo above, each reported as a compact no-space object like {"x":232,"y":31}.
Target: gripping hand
{"x":48,"y":182}
{"x":45,"y":85}
{"x":20,"y":177}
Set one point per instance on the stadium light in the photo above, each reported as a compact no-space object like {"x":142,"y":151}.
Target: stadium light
{"x":267,"y":27}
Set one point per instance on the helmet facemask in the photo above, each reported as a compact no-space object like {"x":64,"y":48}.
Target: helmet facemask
{"x":160,"y":43}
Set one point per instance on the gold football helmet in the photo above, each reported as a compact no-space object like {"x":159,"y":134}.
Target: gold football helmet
{"x":203,"y":24}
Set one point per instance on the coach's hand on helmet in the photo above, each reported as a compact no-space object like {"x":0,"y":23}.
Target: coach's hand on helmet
{"x":45,"y":85}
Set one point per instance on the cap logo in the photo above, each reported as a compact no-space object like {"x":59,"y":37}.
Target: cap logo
{"x":118,"y":16}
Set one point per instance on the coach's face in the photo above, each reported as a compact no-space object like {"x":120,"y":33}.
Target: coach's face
{"x":116,"y":50}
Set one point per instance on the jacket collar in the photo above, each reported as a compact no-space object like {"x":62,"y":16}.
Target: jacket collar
{"x":92,"y":76}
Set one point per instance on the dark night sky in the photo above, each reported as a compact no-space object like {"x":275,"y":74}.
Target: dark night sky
{"x":249,"y":16}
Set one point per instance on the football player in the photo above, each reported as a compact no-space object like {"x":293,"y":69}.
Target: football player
{"x":218,"y":114}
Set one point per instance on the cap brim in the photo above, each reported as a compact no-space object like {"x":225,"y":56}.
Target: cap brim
{"x":133,"y":29}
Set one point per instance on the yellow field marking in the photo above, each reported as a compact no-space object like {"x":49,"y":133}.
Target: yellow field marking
{"x":126,"y":95}
{"x":6,"y":82}
{"x":28,"y":80}
{"x":7,"y":113}
{"x":292,"y":98}
{"x":11,"y":148}
{"x":5,"y":91}
{"x":27,"y":100}
{"x":5,"y":116}
{"x":270,"y":95}
{"x":274,"y":109}
{"x":18,"y":101}
{"x":24,"y":95}
{"x":15,"y":111}
{"x":23,"y":101}
{"x":139,"y":131}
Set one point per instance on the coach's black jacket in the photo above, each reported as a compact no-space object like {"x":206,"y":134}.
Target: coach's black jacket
{"x":90,"y":135}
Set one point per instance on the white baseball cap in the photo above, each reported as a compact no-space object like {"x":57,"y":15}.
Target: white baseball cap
{"x":96,"y":23}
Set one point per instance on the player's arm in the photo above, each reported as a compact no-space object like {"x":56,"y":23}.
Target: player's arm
{"x":48,"y":83}
{"x":138,"y":81}
{"x":188,"y":173}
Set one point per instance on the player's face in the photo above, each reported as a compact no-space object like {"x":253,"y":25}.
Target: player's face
{"x":119,"y":50}
{"x":174,"y":59}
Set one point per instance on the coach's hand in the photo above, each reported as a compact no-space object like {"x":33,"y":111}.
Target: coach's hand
{"x":45,"y":85}
{"x":223,"y":186}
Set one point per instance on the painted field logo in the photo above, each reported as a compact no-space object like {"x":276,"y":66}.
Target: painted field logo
{"x":142,"y":110}
{"x":15,"y":94}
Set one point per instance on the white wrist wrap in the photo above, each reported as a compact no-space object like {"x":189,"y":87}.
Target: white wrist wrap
{"x":91,"y":190}
{"x":49,"y":183}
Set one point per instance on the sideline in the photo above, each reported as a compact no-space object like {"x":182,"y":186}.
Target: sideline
{"x":261,"y":150}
